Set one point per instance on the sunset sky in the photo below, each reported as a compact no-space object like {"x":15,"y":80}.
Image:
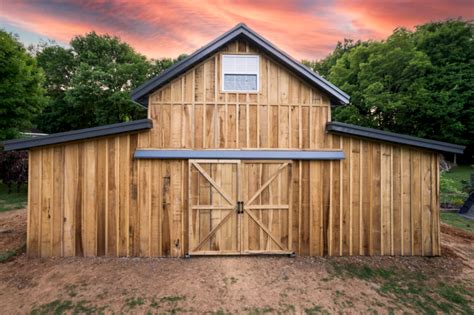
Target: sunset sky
{"x":304,"y":29}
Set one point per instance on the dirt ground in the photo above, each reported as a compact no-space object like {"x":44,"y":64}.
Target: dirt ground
{"x":222,"y":285}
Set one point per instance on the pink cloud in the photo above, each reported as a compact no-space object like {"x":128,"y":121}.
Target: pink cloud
{"x":305,"y":29}
{"x":384,"y":16}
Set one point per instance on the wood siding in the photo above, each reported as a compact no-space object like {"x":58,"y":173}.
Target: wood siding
{"x":192,"y":112}
{"x":91,"y":198}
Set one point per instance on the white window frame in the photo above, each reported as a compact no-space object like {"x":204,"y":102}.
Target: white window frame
{"x":257,"y":72}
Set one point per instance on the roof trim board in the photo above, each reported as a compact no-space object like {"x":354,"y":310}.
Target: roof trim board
{"x":240,"y":154}
{"x":241,"y":30}
{"x":353,"y":130}
{"x":56,"y":138}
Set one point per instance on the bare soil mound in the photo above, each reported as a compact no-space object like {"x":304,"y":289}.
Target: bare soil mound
{"x":12,"y":230}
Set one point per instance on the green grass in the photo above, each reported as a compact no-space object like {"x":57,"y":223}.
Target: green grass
{"x":131,"y":303}
{"x":460,"y":173}
{"x":457,"y":221}
{"x":453,"y":184}
{"x":11,"y":254}
{"x":7,"y":256}
{"x":13,"y":200}
{"x":411,"y":289}
{"x":68,"y":307}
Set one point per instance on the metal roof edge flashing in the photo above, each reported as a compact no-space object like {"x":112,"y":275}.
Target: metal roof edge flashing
{"x":343,"y":128}
{"x":80,"y":134}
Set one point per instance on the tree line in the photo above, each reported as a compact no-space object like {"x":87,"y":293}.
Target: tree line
{"x":418,"y":82}
{"x":54,"y":88}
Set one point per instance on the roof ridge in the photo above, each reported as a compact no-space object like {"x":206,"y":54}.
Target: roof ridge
{"x":140,"y":93}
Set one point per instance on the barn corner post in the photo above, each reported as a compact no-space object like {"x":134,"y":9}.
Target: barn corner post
{"x":238,"y":155}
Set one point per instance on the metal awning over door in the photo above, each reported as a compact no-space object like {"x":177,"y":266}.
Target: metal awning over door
{"x":240,"y":154}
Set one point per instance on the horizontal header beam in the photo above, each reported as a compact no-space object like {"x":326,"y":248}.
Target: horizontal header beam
{"x":239,"y":154}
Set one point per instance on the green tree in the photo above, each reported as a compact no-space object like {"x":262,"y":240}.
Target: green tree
{"x":450,"y":48}
{"x":414,"y":82}
{"x":386,"y":81}
{"x":160,"y":65}
{"x":21,"y":92}
{"x":89,"y":84}
{"x":58,"y":64}
{"x":323,"y":66}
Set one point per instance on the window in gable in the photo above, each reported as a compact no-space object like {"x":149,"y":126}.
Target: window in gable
{"x":240,"y":73}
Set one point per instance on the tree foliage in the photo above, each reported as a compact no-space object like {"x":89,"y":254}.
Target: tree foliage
{"x":324,"y":65}
{"x":14,"y":169}
{"x":414,"y":82}
{"x":89,"y":84}
{"x":21,"y":92}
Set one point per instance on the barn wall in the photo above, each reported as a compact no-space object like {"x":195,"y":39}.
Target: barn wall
{"x":192,"y":112}
{"x":91,"y":198}
{"x":382,"y":199}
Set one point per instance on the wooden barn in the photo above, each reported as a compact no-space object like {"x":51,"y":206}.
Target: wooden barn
{"x":238,"y":156}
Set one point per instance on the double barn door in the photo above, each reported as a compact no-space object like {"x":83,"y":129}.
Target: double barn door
{"x":239,"y":207}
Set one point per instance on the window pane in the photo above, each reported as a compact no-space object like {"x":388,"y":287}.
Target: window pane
{"x":240,"y":82}
{"x":240,"y":64}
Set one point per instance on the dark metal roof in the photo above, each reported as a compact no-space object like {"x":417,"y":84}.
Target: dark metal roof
{"x":342,"y":128}
{"x":80,"y":134}
{"x":240,"y":154}
{"x":240,"y":31}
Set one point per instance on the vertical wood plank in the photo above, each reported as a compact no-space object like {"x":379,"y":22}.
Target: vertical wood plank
{"x":33,"y":245}
{"x":89,"y":228}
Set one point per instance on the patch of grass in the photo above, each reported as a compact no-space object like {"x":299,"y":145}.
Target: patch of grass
{"x":83,"y":307}
{"x":54,"y":307}
{"x":13,"y":200}
{"x":172,"y":298}
{"x":457,"y":221}
{"x":154,"y":303}
{"x":411,"y":289}
{"x":459,"y":174}
{"x":362,"y":272}
{"x":173,"y":301}
{"x":315,"y":309}
{"x":7,"y":256}
{"x":133,"y":302}
{"x":452,"y":185}
{"x":10,"y":254}
{"x":259,"y":310}
{"x":67,"y":306}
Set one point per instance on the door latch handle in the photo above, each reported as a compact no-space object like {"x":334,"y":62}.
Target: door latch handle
{"x":240,"y":207}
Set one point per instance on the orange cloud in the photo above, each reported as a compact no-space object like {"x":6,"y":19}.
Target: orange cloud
{"x":305,"y":29}
{"x":384,"y":16}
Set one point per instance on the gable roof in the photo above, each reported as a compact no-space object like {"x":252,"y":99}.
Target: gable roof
{"x":81,"y":134}
{"x":241,"y":30}
{"x":353,"y":130}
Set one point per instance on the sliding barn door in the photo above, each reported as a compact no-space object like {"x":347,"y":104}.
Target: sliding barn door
{"x":266,"y":218}
{"x":213,"y":196}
